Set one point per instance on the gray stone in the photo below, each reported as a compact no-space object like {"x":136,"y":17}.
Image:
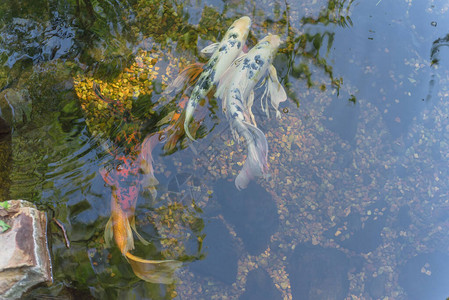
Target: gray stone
{"x":24,"y":256}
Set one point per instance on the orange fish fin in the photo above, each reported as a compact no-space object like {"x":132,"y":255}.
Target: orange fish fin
{"x":133,"y":226}
{"x":155,"y":271}
{"x":108,"y":233}
{"x":129,"y":239}
{"x":187,"y":76}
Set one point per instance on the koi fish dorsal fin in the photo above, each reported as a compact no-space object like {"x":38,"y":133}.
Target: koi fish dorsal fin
{"x":209,"y":50}
{"x":155,"y":271}
{"x":188,"y":76}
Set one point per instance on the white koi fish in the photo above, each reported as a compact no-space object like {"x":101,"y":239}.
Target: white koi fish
{"x":223,"y":54}
{"x":236,"y":89}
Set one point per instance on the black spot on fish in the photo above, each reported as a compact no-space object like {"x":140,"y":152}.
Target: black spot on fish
{"x":235,"y":115}
{"x":233,"y":36}
{"x":232,"y":43}
{"x":222,"y":48}
{"x":254,"y":66}
{"x":251,"y":73}
{"x":258,"y":60}
{"x":212,"y":75}
{"x":245,"y":63}
{"x":237,"y":94}
{"x":208,"y":66}
{"x":261,"y":45}
{"x":205,"y":85}
{"x":239,"y":44}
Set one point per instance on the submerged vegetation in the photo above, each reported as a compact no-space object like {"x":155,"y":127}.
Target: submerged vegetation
{"x":81,"y":85}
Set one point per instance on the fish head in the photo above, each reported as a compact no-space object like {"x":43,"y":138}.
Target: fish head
{"x":268,"y":46}
{"x":260,"y":57}
{"x":227,"y":51}
{"x":124,"y":181}
{"x":239,"y":29}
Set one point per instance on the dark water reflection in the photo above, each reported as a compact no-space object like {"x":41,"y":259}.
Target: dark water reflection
{"x":357,"y":203}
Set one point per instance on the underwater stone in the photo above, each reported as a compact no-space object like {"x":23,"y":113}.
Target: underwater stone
{"x":319,"y":273}
{"x":260,"y":286}
{"x":25,"y":260}
{"x":362,"y":236}
{"x":425,"y":276}
{"x":252,"y":211}
{"x":221,"y":254}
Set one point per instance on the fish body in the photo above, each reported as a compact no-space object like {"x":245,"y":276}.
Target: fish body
{"x":126,"y":181}
{"x":236,"y":89}
{"x":223,"y":54}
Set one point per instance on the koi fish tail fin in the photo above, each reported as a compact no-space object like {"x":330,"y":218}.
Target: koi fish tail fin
{"x":256,"y":162}
{"x":188,"y":76}
{"x":155,"y":271}
{"x":188,"y":118}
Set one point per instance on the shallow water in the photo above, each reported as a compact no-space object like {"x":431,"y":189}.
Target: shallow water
{"x":357,"y":203}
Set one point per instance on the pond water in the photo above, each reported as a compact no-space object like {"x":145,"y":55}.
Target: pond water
{"x":357,"y":204}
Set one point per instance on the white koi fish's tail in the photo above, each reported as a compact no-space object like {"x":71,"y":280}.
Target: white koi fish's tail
{"x":188,"y":118}
{"x":256,"y":164}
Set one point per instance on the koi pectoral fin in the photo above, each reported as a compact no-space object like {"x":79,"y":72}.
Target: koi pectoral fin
{"x":133,"y":226}
{"x":149,"y":182}
{"x":277,"y":92}
{"x":155,"y":271}
{"x":209,"y":50}
{"x":187,"y":76}
{"x":108,"y":233}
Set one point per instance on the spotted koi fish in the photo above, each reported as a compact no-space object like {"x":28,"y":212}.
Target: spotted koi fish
{"x":236,"y":89}
{"x":222,"y":55}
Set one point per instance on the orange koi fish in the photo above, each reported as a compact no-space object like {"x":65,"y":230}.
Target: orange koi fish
{"x":125,"y":181}
{"x":133,"y":172}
